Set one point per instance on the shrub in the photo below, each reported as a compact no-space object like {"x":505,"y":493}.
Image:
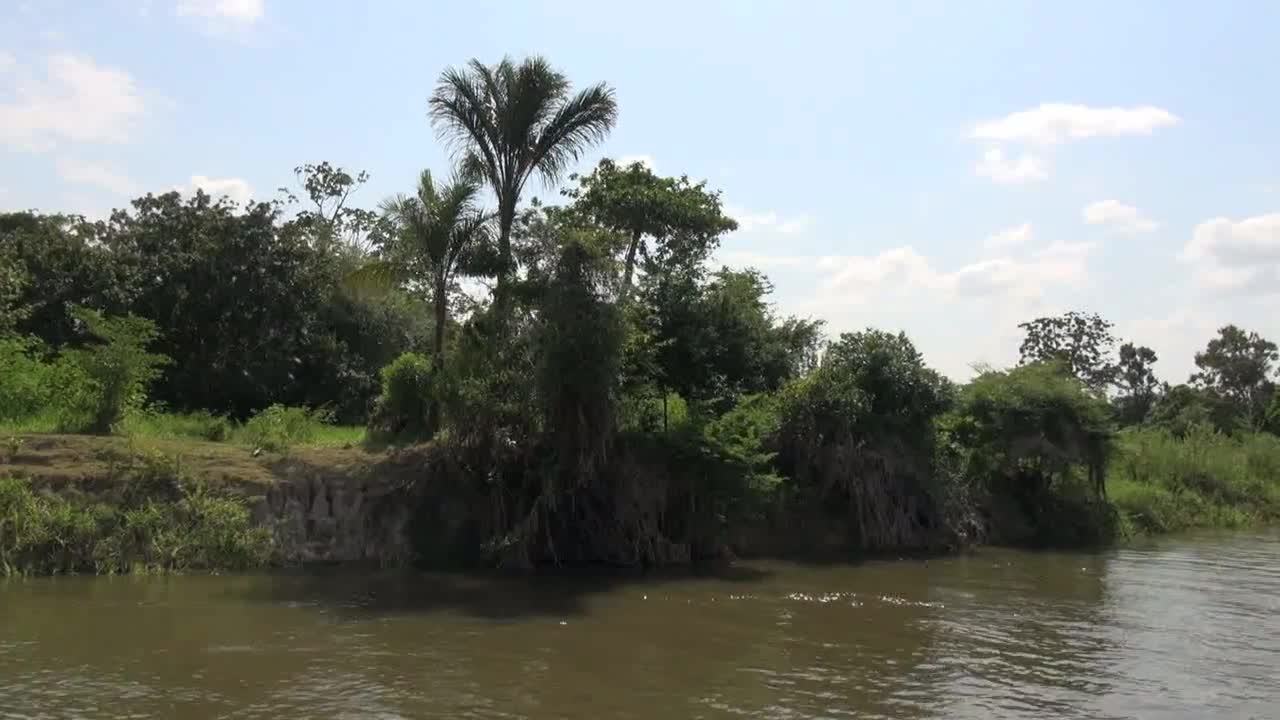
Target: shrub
{"x":119,"y":367}
{"x":405,"y":402}
{"x":24,"y":379}
{"x":154,"y":422}
{"x":1036,"y":441}
{"x":278,"y":427}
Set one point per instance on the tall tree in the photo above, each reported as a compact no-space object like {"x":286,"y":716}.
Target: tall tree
{"x":634,"y":201}
{"x":1137,"y":382}
{"x":1080,"y":341}
{"x":1237,"y":365}
{"x":511,"y":121}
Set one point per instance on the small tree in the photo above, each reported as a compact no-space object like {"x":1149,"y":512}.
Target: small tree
{"x":632,"y":200}
{"x":1137,"y":382}
{"x":118,"y":364}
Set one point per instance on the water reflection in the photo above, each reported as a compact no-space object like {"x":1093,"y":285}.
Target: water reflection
{"x":1186,"y":628}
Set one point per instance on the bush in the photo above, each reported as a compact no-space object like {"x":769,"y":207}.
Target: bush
{"x":24,"y":379}
{"x":857,"y":440}
{"x":120,"y":368}
{"x":403,"y":407}
{"x":1037,"y":442}
{"x":278,"y":428}
{"x":199,"y":425}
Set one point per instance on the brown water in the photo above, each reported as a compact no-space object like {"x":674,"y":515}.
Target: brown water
{"x":1187,"y":628}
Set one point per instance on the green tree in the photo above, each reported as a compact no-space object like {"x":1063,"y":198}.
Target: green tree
{"x":637,"y":203}
{"x":716,"y":339}
{"x":1237,"y":365}
{"x":237,"y":301}
{"x":65,"y":264}
{"x":13,"y":283}
{"x":1181,"y":408}
{"x":511,"y":121}
{"x":431,"y":234}
{"x":1137,"y":382}
{"x":579,"y":347}
{"x":1079,"y":342}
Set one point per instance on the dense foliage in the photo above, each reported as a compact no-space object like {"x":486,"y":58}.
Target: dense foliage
{"x":613,"y":398}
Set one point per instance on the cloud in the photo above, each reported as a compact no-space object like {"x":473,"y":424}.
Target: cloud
{"x":1006,"y":171}
{"x":72,"y":100}
{"x":863,"y":279}
{"x":236,"y":189}
{"x":1233,"y":256}
{"x":74,"y":171}
{"x":1054,"y":123}
{"x":1118,"y":216}
{"x":767,"y":221}
{"x":239,"y":12}
{"x":1009,"y":237}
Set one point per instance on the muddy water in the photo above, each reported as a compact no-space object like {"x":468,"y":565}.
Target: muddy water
{"x":1185,"y":628}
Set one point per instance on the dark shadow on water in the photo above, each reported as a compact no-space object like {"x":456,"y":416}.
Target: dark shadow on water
{"x":488,"y":595}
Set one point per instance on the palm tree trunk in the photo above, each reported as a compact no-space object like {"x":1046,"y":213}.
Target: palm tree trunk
{"x":629,"y":266}
{"x":502,"y":295}
{"x":441,"y":301}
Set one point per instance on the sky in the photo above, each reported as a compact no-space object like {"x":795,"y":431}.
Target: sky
{"x":948,"y":169}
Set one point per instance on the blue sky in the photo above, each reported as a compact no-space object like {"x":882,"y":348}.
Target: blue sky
{"x":949,"y":169}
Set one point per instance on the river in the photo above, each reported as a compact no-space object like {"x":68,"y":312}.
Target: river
{"x":1186,"y":627}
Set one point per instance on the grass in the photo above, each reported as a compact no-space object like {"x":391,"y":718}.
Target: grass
{"x":1160,"y":483}
{"x":276,"y":429}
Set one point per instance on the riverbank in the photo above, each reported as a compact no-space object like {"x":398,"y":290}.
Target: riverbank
{"x":103,"y":504}
{"x":100,"y":504}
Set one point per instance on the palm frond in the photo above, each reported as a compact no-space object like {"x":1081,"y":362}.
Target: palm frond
{"x":582,"y":121}
{"x":461,"y":112}
{"x":377,"y":277}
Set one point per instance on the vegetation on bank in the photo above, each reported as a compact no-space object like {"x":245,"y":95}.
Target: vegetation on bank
{"x":150,"y":517}
{"x":594,"y":390}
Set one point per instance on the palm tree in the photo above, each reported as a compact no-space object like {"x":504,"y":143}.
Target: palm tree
{"x":433,"y":232}
{"x":511,"y":120}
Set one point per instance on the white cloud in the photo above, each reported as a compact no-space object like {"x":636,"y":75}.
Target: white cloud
{"x":235,"y":189}
{"x":767,"y":221}
{"x":761,"y":261}
{"x":1118,"y":216}
{"x":242,"y":12}
{"x":74,"y":171}
{"x":1007,"y":171}
{"x":1237,"y":256}
{"x":1053,"y":123}
{"x":1009,"y":237}
{"x":7,"y":61}
{"x":861,"y":279}
{"x":74,"y":99}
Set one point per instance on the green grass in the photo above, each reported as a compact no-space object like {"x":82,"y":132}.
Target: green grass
{"x":1161,"y":483}
{"x":273,"y":430}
